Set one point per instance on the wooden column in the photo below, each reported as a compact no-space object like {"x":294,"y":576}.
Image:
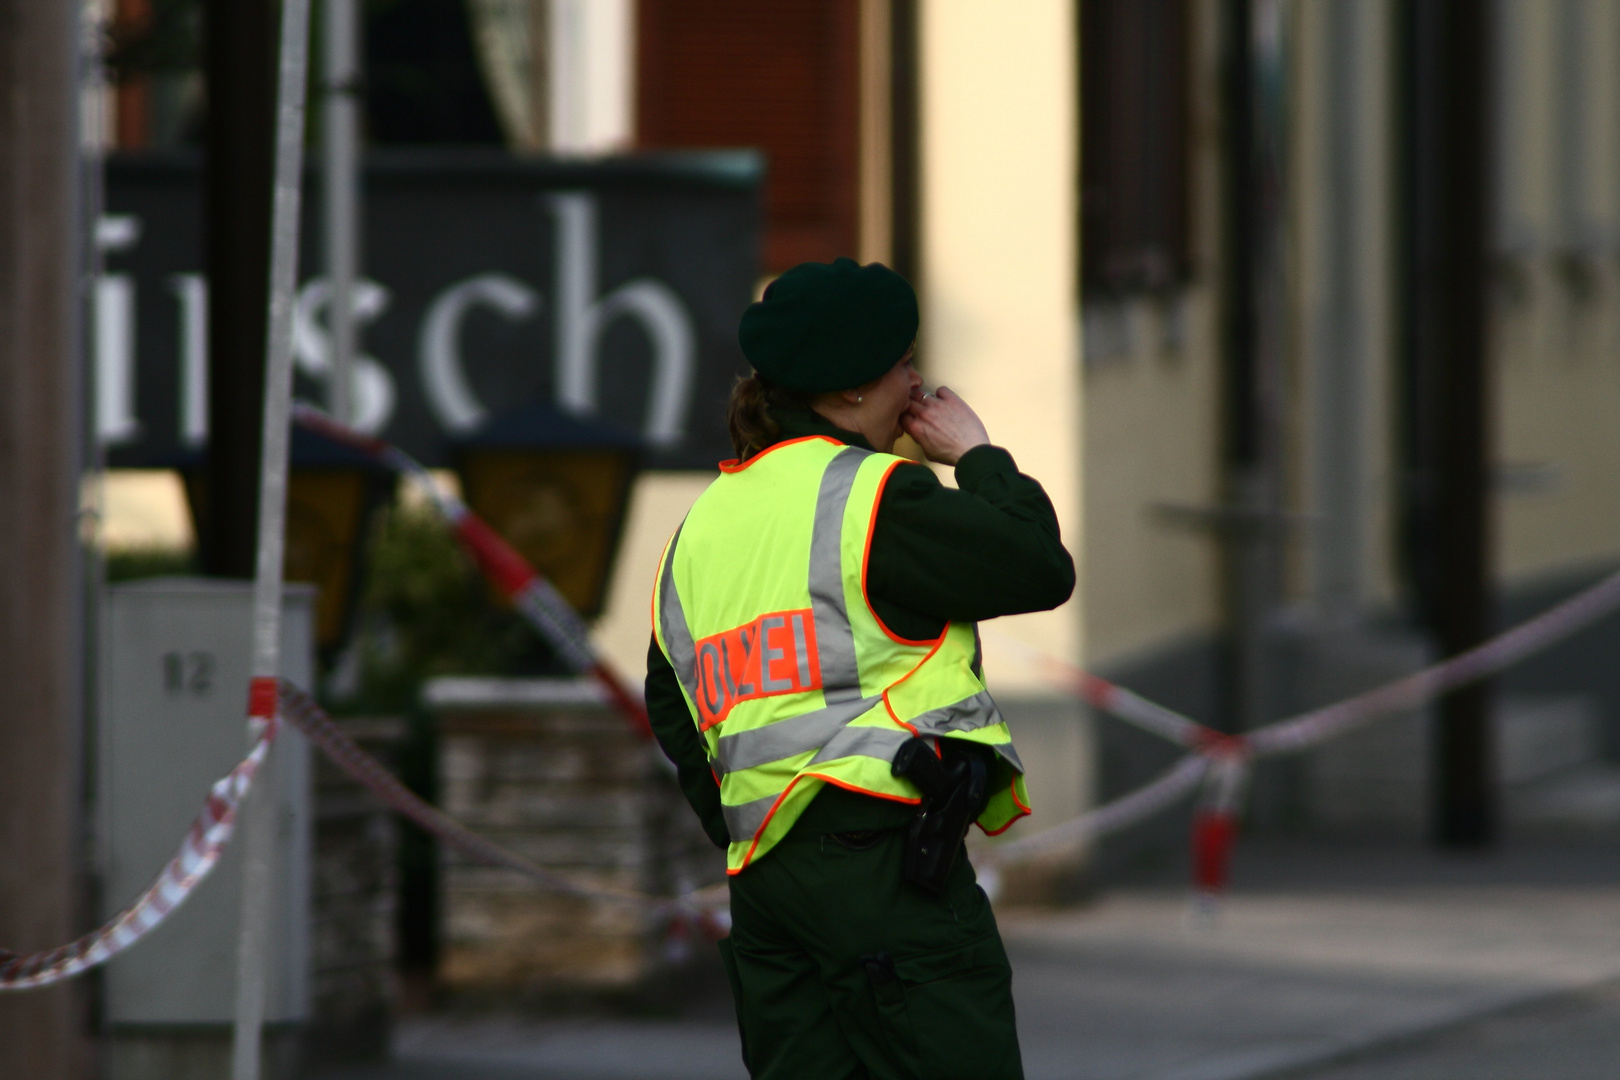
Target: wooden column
{"x":42,"y":1032}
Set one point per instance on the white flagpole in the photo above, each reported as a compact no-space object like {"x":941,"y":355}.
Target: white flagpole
{"x":340,"y":109}
{"x":260,"y":824}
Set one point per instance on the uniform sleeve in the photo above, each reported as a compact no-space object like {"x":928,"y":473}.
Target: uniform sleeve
{"x":992,"y":547}
{"x":678,"y":737}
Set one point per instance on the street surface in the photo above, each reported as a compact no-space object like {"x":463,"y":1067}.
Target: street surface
{"x":1325,"y":964}
{"x":1575,"y":1037}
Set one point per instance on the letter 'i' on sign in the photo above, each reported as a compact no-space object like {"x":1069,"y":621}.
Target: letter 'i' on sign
{"x":192,"y":292}
{"x":774,"y":654}
{"x":115,"y":336}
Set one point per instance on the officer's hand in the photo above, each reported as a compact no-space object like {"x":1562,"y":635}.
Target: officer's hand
{"x":944,"y":425}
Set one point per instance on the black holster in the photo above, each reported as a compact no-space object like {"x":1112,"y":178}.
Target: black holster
{"x":954,"y":787}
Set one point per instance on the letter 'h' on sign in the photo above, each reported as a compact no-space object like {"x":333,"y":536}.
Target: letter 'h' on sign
{"x":774,"y":654}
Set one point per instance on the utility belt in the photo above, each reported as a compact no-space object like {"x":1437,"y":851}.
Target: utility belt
{"x":955,"y":784}
{"x":955,"y":787}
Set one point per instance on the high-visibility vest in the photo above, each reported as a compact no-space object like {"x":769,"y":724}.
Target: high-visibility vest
{"x":791,"y":677}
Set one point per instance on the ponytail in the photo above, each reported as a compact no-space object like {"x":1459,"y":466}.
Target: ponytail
{"x":748,"y":416}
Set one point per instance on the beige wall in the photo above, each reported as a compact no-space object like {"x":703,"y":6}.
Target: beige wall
{"x":1151,"y":396}
{"x":1151,"y":423}
{"x":1557,"y":331}
{"x":999,"y":261}
{"x":1151,"y":443}
{"x":141,"y":508}
{"x":1315,"y":36}
{"x":657,"y":506}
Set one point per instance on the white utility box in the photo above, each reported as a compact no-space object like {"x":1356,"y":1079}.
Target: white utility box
{"x":171,"y":710}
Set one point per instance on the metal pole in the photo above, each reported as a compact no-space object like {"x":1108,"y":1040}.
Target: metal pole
{"x":42,"y":1034}
{"x":340,"y":131}
{"x":260,"y":826}
{"x":241,"y":120}
{"x":1341,"y":345}
{"x":1446,"y":290}
{"x":1254,"y":303}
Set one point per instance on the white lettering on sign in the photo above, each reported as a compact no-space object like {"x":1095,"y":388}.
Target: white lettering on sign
{"x":114,"y":313}
{"x":371,"y":388}
{"x":438,"y":352}
{"x":192,"y":292}
{"x":581,"y":320}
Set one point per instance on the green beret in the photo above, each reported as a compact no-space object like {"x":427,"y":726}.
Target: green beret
{"x":822,"y":327}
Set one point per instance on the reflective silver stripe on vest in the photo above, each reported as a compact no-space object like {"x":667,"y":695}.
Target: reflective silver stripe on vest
{"x":873,"y":742}
{"x":969,"y":714}
{"x":835,"y":640}
{"x":743,"y":821}
{"x":966,"y":715}
{"x":672,"y":620}
{"x":786,"y":737}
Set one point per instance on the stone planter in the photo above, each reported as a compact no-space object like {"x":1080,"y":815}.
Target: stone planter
{"x":547,"y":769}
{"x":354,"y":986}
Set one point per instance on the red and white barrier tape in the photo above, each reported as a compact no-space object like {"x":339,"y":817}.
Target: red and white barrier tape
{"x":1504,"y":650}
{"x":1319,"y":725}
{"x":200,"y":850}
{"x":1171,"y":787}
{"x":535,"y":598}
{"x":1215,"y":821}
{"x":1218,"y":762}
{"x":299,"y":709}
{"x":702,"y":909}
{"x":1222,"y":762}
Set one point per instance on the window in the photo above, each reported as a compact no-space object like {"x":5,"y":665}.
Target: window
{"x":1133,"y":145}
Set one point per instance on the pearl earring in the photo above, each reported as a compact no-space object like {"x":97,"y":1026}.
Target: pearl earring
{"x":859,"y":398}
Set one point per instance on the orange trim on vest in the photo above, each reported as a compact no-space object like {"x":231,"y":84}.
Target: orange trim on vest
{"x":734,"y":465}
{"x":1024,"y":812}
{"x":940,"y":641}
{"x":658,"y":574}
{"x":866,"y":558}
{"x":791,"y":785}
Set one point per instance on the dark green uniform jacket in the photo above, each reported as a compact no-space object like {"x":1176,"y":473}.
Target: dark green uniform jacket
{"x":990,"y":548}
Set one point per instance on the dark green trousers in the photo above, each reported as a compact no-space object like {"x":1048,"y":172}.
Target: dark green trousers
{"x":841,"y":971}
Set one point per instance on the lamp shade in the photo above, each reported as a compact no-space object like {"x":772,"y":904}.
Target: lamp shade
{"x":332,"y":491}
{"x":555,"y":486}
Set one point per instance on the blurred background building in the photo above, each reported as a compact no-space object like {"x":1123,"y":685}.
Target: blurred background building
{"x":1172,"y":250}
{"x":1306,"y":313}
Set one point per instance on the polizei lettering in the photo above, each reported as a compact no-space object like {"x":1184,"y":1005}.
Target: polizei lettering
{"x":774,"y":654}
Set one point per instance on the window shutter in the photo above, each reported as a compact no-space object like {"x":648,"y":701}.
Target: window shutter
{"x":1133,"y":144}
{"x":782,"y":76}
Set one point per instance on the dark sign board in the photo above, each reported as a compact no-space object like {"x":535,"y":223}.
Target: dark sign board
{"x":608,"y":289}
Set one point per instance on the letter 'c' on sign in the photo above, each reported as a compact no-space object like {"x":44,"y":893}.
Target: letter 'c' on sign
{"x":444,"y":380}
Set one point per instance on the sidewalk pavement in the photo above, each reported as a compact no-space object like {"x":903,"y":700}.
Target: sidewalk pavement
{"x":1324,"y":961}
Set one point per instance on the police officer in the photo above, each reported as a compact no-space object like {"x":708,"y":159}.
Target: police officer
{"x":815,"y":676}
